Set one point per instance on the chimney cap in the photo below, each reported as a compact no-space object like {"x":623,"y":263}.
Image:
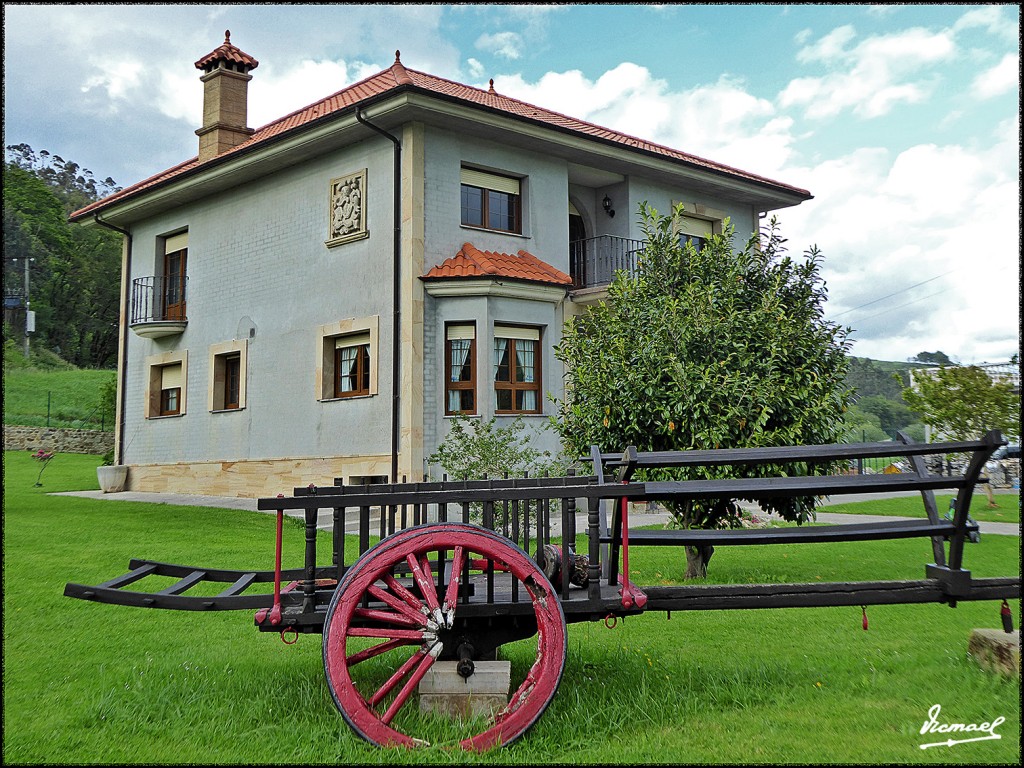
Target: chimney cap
{"x":229,"y":54}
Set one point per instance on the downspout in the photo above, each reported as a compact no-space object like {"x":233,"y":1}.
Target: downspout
{"x":396,"y":333}
{"x":123,"y":361}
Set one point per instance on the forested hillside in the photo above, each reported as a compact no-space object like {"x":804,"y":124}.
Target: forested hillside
{"x":73,"y":272}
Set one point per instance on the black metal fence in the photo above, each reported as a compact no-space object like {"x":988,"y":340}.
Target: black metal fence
{"x":595,"y":261}
{"x":158,"y":299}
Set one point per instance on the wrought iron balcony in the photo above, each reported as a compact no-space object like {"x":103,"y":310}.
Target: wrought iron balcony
{"x":158,"y":306}
{"x":593,"y":262}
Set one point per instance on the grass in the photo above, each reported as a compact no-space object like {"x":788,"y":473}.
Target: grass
{"x":87,"y":683}
{"x":36,"y":397}
{"x":1008,"y":510}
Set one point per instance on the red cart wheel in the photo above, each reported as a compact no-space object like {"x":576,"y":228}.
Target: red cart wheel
{"x":390,"y":612}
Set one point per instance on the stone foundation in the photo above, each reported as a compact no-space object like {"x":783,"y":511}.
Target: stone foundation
{"x":252,"y":479}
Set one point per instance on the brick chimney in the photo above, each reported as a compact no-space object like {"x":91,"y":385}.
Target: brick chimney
{"x":225,"y":98}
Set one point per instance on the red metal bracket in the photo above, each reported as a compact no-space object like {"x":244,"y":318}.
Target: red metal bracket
{"x":632,"y":595}
{"x":275,"y":612}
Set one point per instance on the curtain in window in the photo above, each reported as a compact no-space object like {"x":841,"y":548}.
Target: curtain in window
{"x":349,"y":363}
{"x":501,"y":360}
{"x":460,"y":353}
{"x":459,"y":399}
{"x":524,"y":362}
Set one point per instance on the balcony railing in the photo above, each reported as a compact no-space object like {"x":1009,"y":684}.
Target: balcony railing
{"x":594,"y":261}
{"x":158,"y":305}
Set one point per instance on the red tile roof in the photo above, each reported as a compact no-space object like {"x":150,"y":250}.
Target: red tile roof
{"x":398,"y":76}
{"x":470,"y":262}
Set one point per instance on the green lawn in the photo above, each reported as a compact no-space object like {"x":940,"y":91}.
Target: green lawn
{"x":71,"y":397}
{"x":1007,"y":510}
{"x":86,"y":683}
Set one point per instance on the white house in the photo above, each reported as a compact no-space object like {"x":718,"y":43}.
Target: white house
{"x":317,"y":297}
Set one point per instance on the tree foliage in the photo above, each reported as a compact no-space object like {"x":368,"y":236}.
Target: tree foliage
{"x":711,"y":348}
{"x":936,"y":358}
{"x":870,"y":377}
{"x":964,"y":402}
{"x":74,"y":272}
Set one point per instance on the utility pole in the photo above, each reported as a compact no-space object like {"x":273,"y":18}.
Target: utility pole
{"x":30,"y":324}
{"x":29,"y":319}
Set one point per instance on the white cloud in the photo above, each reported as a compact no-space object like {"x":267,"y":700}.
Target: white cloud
{"x":117,"y":78}
{"x":719,"y":121}
{"x":829,"y":48}
{"x":869,"y":78}
{"x":504,"y":44}
{"x":887,"y":222}
{"x":1002,"y":78}
{"x":991,"y":18}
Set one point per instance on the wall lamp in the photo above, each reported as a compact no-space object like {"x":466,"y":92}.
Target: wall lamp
{"x":607,"y":205}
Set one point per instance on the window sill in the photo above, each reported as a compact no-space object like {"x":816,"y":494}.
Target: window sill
{"x":495,"y":231}
{"x":166,"y":416}
{"x":462,"y":415}
{"x":344,"y":399}
{"x":228,"y":410}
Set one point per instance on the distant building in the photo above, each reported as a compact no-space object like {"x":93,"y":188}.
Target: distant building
{"x":318,"y":297}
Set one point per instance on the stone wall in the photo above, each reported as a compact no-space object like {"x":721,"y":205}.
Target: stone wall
{"x":90,"y":441}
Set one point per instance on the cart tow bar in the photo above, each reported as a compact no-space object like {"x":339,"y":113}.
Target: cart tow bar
{"x":632,"y":595}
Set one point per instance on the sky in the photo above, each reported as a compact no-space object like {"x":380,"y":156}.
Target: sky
{"x":903,"y":121}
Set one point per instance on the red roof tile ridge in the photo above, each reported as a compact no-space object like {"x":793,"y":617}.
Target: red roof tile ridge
{"x":482,"y":259}
{"x":399,"y":71}
{"x":557,"y":274}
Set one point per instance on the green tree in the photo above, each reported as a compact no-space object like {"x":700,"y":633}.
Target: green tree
{"x":862,"y":426}
{"x":938,"y":358}
{"x":964,"y":402}
{"x":709,"y":348}
{"x":892,"y":415}
{"x":868,"y":377}
{"x":74,"y":272}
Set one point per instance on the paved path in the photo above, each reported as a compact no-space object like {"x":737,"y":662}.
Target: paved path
{"x":636,"y":519}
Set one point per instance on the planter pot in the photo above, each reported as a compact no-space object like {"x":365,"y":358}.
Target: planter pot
{"x":112,"y":478}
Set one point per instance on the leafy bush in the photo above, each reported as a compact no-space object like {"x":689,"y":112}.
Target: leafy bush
{"x":475,"y":449}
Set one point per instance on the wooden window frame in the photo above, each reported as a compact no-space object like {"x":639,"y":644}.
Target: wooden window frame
{"x":225,"y":359}
{"x":351,"y":332}
{"x":166,"y":409}
{"x":514,"y":386}
{"x":232,"y":381}
{"x":485,"y":206}
{"x":459,"y":386}
{"x":362,"y":373}
{"x":157,"y":404}
{"x":175,"y":282}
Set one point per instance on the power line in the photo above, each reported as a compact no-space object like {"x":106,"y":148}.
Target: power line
{"x":902,"y":290}
{"x":907,"y":304}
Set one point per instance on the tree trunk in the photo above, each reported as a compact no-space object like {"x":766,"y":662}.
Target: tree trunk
{"x":697,"y":559}
{"x":988,"y":492}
